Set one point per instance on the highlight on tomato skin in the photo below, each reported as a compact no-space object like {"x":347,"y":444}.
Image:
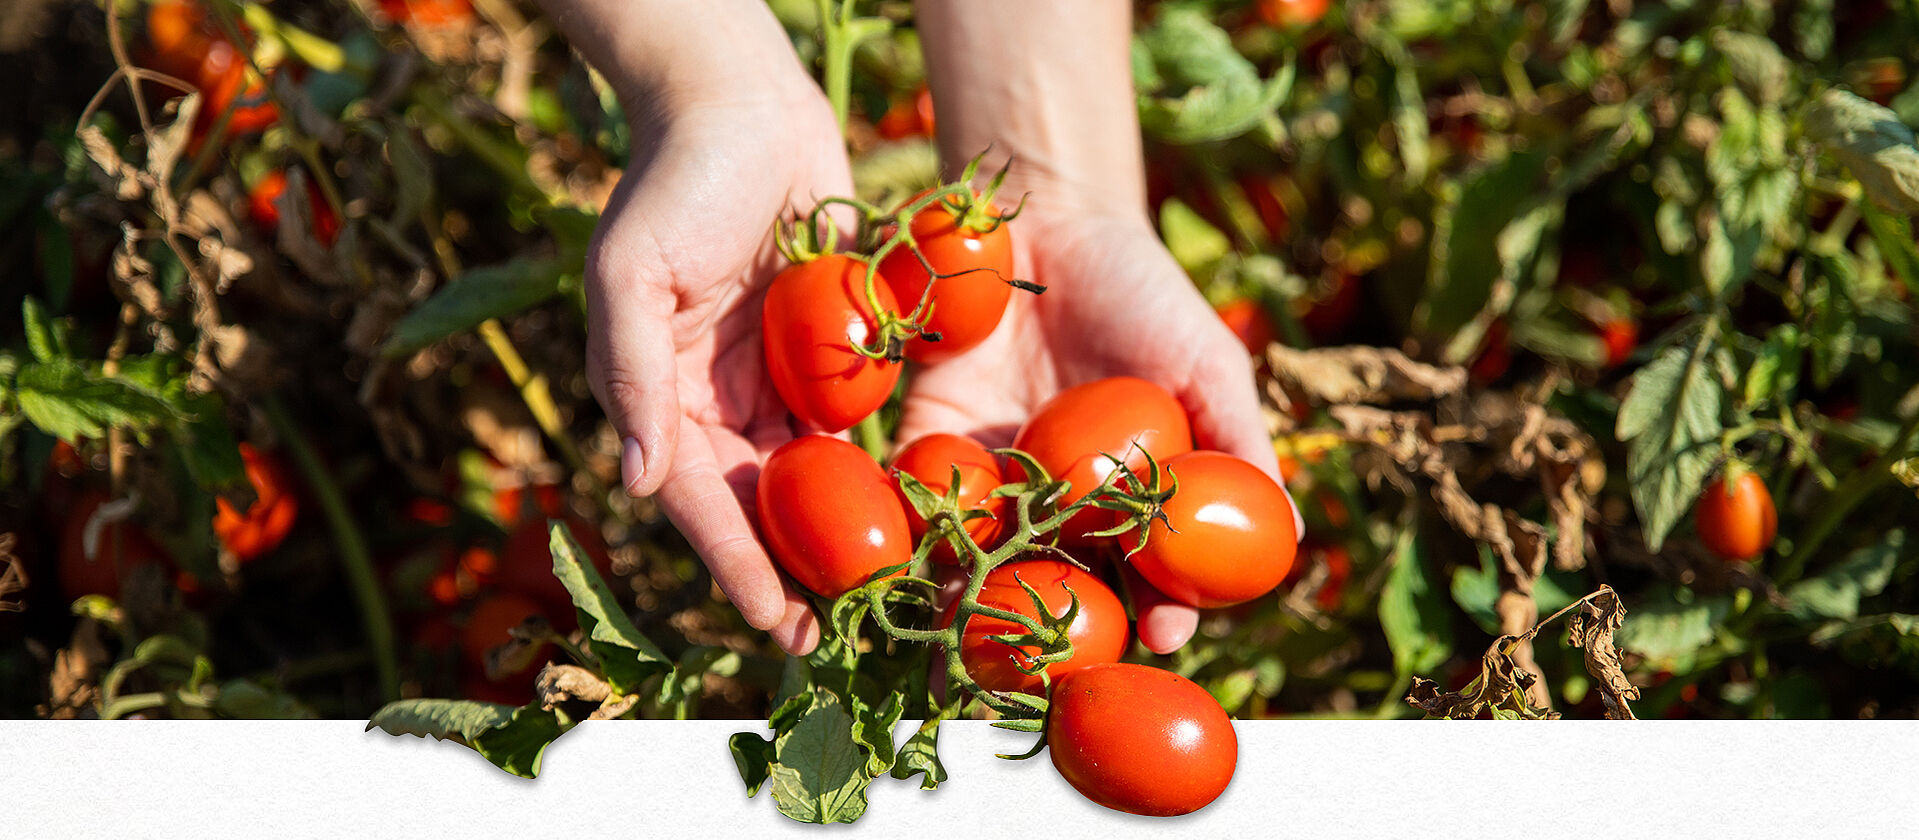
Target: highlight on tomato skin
{"x":814,"y":313}
{"x":1228,"y":535}
{"x":1068,"y":434}
{"x":829,"y":515}
{"x":1140,"y":739}
{"x":1099,"y":632}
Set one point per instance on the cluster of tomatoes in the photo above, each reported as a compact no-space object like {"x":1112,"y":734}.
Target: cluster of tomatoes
{"x":185,"y":42}
{"x":1130,"y":737}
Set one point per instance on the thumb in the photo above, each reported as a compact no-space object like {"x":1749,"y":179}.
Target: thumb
{"x":629,"y":348}
{"x":1224,"y":406}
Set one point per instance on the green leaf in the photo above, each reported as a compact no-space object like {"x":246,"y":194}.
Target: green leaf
{"x":1871,"y":141}
{"x":1196,"y":245}
{"x":1194,"y":86}
{"x":64,"y":399}
{"x":626,"y":655}
{"x":1669,"y":631}
{"x":920,"y":756}
{"x":513,"y":739}
{"x":1756,"y":63}
{"x":1413,"y":615}
{"x":1468,"y":256}
{"x":873,"y":731}
{"x":247,"y":700}
{"x":1836,"y":592}
{"x":818,"y":773}
{"x":41,"y":341}
{"x":1476,"y":591}
{"x":495,"y":291}
{"x":1670,"y":423}
{"x":1894,"y":236}
{"x":1775,"y":369}
{"x":753,"y":755}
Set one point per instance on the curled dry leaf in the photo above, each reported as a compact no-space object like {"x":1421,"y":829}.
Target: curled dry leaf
{"x":527,"y":643}
{"x":1502,"y":686}
{"x":1591,"y":630}
{"x":1375,"y":375}
{"x":74,"y":686}
{"x":13,"y":576}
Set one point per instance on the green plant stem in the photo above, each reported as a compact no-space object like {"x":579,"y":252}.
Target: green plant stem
{"x":1850,"y":494}
{"x":840,"y":35}
{"x":871,"y":436}
{"x":354,"y":557}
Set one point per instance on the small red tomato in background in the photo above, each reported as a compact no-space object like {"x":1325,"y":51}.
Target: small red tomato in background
{"x":830,"y":516}
{"x":1287,"y":14}
{"x":263,"y":207}
{"x":815,"y":311}
{"x":1737,"y":520}
{"x":432,"y":13}
{"x":1118,"y":416}
{"x":1232,"y":537}
{"x":1099,"y":631}
{"x":1249,"y":323}
{"x":1339,"y":568}
{"x":972,"y":293}
{"x":487,"y":628}
{"x":1495,"y":356}
{"x":909,"y":117}
{"x":186,"y":43}
{"x":1140,"y":739}
{"x":931,"y":459}
{"x":1621,"y":337}
{"x":519,"y":503}
{"x":98,"y":574}
{"x":266,"y":522}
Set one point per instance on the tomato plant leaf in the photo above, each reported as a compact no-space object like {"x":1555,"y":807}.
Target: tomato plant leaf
{"x":920,"y":756}
{"x":1871,"y":141}
{"x":1775,"y":369}
{"x":1836,"y":592}
{"x":1670,"y":422}
{"x":626,"y":655}
{"x":494,"y":291}
{"x":818,"y":774}
{"x":873,"y":731}
{"x":1468,"y":257}
{"x":513,"y":739}
{"x":1196,"y":245}
{"x":753,"y":755}
{"x":1411,"y":613}
{"x":1194,"y":87}
{"x":1894,"y":236}
{"x":41,"y":339}
{"x":65,"y":399}
{"x":1756,"y":63}
{"x":1672,"y":625}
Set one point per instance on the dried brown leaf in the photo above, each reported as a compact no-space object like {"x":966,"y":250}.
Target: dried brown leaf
{"x":13,"y":576}
{"x":1359,"y":374}
{"x":1591,"y":630}
{"x":74,"y":685}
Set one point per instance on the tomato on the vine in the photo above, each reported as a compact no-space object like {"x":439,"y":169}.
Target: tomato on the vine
{"x":1099,"y":632}
{"x":931,"y":459}
{"x":1119,"y":416}
{"x":815,"y":311}
{"x":908,"y":118}
{"x":263,"y":207}
{"x":265,"y":522}
{"x":829,"y":514}
{"x":1285,"y":14}
{"x":1737,"y":521}
{"x":1231,"y":538}
{"x":186,"y":44}
{"x":971,"y":293}
{"x":1249,"y":323}
{"x":1140,"y":739}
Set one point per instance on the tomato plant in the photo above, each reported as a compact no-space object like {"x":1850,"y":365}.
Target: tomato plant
{"x":1290,"y":14}
{"x":261,"y":527}
{"x":829,"y":515}
{"x":911,"y":117}
{"x":1736,"y":519}
{"x":119,"y":548}
{"x":1072,"y":435}
{"x":931,"y":460}
{"x":815,"y":312}
{"x":186,"y":43}
{"x":969,"y":247}
{"x":431,"y":13}
{"x":1099,"y":631}
{"x":263,"y":207}
{"x":1140,"y":739}
{"x":1249,"y":323}
{"x":1227,"y":536}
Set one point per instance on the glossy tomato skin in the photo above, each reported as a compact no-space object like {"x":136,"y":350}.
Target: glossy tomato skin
{"x":1286,"y":14}
{"x":815,"y":311}
{"x":931,"y":459}
{"x":1140,"y":739}
{"x":829,"y":515}
{"x":966,"y":305}
{"x":1737,"y":523}
{"x":1249,"y":323}
{"x":265,"y":523}
{"x":1099,"y":632}
{"x":1068,"y":433}
{"x":1232,"y":537}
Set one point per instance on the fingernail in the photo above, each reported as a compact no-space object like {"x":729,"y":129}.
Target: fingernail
{"x":632,"y":465}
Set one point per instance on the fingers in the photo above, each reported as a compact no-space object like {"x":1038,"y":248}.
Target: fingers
{"x":704,"y":507}
{"x":1164,"y":625}
{"x":630,"y":353}
{"x":1224,"y":408}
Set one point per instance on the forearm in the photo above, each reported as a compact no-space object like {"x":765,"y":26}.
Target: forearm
{"x":1046,"y":84}
{"x":664,"y":57}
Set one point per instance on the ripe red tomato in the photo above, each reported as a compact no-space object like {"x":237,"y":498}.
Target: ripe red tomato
{"x":1339,"y":568}
{"x":432,"y":13}
{"x":1068,"y":433}
{"x":908,"y":118}
{"x":1232,"y":537}
{"x":815,"y":311}
{"x":98,"y":574}
{"x":186,"y":43}
{"x":262,"y":207}
{"x":967,"y":305}
{"x":513,"y":504}
{"x":1287,"y":14}
{"x":829,"y":515}
{"x":1140,"y":739}
{"x":931,"y":459}
{"x":1737,"y":522}
{"x":1621,"y":337}
{"x":1099,"y":632}
{"x":267,"y":521}
{"x":1249,"y":322}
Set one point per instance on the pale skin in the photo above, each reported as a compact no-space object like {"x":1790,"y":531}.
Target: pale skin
{"x":736,"y":133}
